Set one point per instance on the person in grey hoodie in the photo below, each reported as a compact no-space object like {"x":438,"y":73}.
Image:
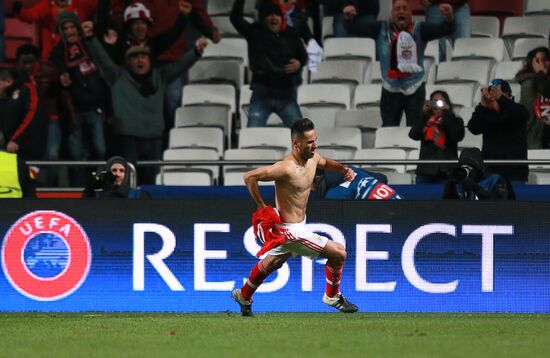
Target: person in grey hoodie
{"x":138,"y":98}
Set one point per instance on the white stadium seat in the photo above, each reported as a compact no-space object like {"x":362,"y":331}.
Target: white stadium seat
{"x":192,"y":154}
{"x":209,"y":94}
{"x":507,"y":70}
{"x":523,"y":46}
{"x":537,"y":7}
{"x":470,"y":141}
{"x":367,"y":95}
{"x":266,"y":137}
{"x":323,"y":100}
{"x":197,"y":137}
{"x":345,"y":140}
{"x":186,"y":178}
{"x":381,"y":154}
{"x":460,"y":94}
{"x":217,"y":72}
{"x":485,"y":26}
{"x":338,"y":48}
{"x":479,"y":48}
{"x":395,"y":137}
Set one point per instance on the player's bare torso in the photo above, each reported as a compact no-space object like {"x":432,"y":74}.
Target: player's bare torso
{"x":292,"y":189}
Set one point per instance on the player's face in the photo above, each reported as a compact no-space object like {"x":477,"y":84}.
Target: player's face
{"x":139,"y":29}
{"x":119,"y":172}
{"x":308,"y":144}
{"x":401,"y":14}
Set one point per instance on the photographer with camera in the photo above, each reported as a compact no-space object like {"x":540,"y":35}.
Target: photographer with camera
{"x":113,"y":182}
{"x":470,"y":180}
{"x":503,"y":124}
{"x":439,"y":132}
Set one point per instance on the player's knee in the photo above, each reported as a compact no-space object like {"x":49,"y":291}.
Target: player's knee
{"x":340,"y":253}
{"x":273,"y":263}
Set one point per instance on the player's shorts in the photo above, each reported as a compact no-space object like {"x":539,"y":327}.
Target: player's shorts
{"x":300,"y":242}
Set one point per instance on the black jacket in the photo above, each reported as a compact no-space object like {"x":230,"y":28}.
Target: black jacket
{"x":454,"y":132}
{"x":269,"y":52}
{"x":479,"y":183}
{"x":89,"y":92}
{"x":20,"y":117}
{"x":504,"y":136}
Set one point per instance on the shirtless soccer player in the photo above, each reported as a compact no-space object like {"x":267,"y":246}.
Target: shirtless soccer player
{"x":293,"y":177}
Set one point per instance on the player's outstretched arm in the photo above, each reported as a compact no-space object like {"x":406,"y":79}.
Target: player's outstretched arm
{"x":266,"y":173}
{"x":333,"y":165}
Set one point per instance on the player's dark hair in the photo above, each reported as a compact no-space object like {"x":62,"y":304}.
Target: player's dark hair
{"x":300,"y":127}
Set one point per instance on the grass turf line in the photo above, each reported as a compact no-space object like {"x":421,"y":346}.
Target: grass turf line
{"x":274,"y":335}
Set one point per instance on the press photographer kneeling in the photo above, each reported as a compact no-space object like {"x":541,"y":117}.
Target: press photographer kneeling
{"x":470,"y":180}
{"x":113,"y":182}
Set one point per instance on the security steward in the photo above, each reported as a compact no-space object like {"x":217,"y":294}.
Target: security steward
{"x":16,"y":179}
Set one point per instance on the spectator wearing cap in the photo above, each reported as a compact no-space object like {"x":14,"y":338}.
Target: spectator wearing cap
{"x":44,"y":14}
{"x":164,"y":14}
{"x":136,"y":30}
{"x":276,"y":59}
{"x":80,"y":76}
{"x":138,"y":98}
{"x":502,"y":122}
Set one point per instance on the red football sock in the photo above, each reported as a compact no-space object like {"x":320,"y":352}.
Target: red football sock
{"x":333,"y":274}
{"x":257,"y":276}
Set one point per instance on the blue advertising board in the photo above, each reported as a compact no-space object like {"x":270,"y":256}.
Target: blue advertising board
{"x":187,"y":256}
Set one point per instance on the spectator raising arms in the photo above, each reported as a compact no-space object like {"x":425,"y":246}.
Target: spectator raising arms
{"x":44,"y":14}
{"x":400,"y":44}
{"x":136,"y":30}
{"x":80,"y":76}
{"x":138,"y":98}
{"x":276,"y":58}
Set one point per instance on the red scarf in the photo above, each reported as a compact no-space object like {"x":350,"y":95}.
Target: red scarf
{"x":434,"y":132}
{"x":542,"y":108}
{"x":76,"y":55}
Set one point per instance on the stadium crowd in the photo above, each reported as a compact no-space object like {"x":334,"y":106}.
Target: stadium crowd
{"x":105,"y":77}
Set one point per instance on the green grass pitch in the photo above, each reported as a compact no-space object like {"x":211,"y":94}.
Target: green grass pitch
{"x":274,"y":335}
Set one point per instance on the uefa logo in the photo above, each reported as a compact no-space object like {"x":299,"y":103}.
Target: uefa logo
{"x":46,"y":255}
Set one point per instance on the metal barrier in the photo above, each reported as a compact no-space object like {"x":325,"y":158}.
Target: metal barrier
{"x":162,"y":163}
